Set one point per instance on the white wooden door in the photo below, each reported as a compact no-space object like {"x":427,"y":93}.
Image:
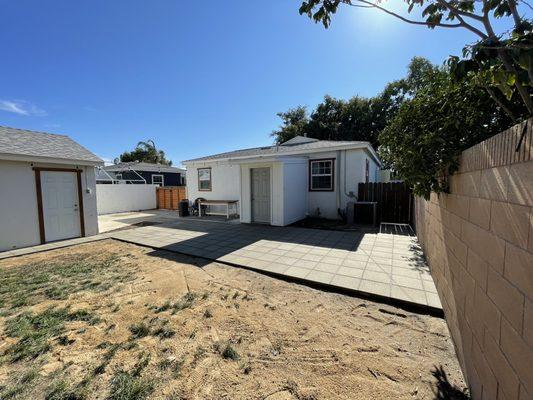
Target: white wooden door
{"x":61,"y":211}
{"x":260,"y":195}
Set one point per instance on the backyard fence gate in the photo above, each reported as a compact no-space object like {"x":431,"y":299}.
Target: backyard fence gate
{"x":169,"y":197}
{"x":394,"y":201}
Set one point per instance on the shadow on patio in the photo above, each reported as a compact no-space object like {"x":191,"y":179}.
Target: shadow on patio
{"x":388,"y":268}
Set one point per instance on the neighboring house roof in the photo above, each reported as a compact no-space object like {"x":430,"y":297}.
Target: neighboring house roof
{"x":297,"y":145}
{"x":142,"y":166}
{"x":30,"y":145}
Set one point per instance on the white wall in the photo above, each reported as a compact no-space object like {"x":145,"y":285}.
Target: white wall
{"x":225,"y":182}
{"x":295,"y":191}
{"x":88,"y":181}
{"x":123,"y":198}
{"x":324,"y":204}
{"x":349,"y":171}
{"x":19,"y":220}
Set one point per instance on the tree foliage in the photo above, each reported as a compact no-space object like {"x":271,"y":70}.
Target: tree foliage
{"x":145,"y":152}
{"x":501,"y":61}
{"x":293,"y":123}
{"x":424,"y":139}
{"x":359,"y":118}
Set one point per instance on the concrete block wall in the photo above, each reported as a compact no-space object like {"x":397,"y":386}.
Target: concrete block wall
{"x":478,"y":240}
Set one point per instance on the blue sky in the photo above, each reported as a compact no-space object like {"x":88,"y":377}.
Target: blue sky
{"x":198,"y":77}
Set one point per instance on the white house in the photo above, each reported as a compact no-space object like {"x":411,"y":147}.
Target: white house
{"x":279,"y":185}
{"x":47,"y":188}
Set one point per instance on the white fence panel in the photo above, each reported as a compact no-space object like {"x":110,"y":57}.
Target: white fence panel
{"x":123,"y":198}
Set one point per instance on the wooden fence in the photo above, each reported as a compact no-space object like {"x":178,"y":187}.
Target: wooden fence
{"x":394,"y":201}
{"x":169,"y":197}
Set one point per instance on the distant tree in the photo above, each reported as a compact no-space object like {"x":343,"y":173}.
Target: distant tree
{"x":359,"y":118}
{"x":502,"y":61}
{"x":293,"y":123}
{"x":144,"y":152}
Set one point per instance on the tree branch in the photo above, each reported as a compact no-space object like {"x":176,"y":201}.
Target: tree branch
{"x":369,"y":4}
{"x":500,"y":102}
{"x":458,"y":14}
{"x":514,"y":12}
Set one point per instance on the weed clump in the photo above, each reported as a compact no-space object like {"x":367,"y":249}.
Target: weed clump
{"x":227,"y":351}
{"x":139,"y":330}
{"x":36,"y":330}
{"x":126,"y":386}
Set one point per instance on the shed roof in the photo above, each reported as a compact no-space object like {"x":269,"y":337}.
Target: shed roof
{"x":296,"y":147}
{"x":22,"y":142}
{"x":142,"y":166}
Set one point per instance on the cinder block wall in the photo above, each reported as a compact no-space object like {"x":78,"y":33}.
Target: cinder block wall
{"x":479,"y":243}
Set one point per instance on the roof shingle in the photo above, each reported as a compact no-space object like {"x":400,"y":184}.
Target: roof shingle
{"x":41,"y":144}
{"x":285,"y":148}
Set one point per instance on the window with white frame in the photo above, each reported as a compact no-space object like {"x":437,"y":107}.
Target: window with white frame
{"x":204,"y":179}
{"x":321,"y":174}
{"x":158,"y":180}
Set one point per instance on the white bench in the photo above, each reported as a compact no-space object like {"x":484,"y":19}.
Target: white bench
{"x":228,"y":203}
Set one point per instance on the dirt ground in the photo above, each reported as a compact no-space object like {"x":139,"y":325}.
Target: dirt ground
{"x":109,"y":320}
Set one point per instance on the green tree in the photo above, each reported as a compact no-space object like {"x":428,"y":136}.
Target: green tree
{"x":502,"y":60}
{"x":145,"y":152}
{"x":293,"y":123}
{"x":359,"y":118}
{"x":429,"y":131}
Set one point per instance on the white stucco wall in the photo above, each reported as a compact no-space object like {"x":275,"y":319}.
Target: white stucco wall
{"x":123,"y":198}
{"x":88,"y":181}
{"x":295,"y":193}
{"x":225,"y":182}
{"x":19,"y":221}
{"x":349,"y":171}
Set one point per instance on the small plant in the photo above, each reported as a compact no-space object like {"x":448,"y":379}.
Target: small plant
{"x":108,"y":356}
{"x":208,"y":313}
{"x":227,"y":351}
{"x":173,"y":365}
{"x":185,"y":302}
{"x":166,"y":306}
{"x":199,"y":353}
{"x":144,"y":360}
{"x":62,"y":390}
{"x":164,"y":332}
{"x":125,"y":386}
{"x":139,"y":330}
{"x":64,"y":340}
{"x":246,"y":368}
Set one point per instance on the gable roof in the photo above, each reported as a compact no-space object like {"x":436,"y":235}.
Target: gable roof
{"x":298,"y":140}
{"x":142,"y":166}
{"x":20,"y":143}
{"x":287,"y":148}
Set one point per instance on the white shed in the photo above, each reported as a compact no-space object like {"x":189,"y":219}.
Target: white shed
{"x":279,"y":185}
{"x":47,"y":189}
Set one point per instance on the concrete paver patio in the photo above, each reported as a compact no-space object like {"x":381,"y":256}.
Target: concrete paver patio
{"x":385,"y":265}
